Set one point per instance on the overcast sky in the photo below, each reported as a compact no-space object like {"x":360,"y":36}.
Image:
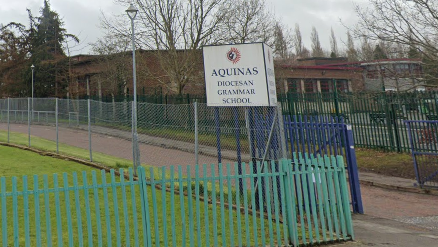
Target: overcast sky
{"x":82,"y":17}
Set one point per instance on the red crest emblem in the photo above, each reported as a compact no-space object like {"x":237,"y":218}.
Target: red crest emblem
{"x":233,"y":55}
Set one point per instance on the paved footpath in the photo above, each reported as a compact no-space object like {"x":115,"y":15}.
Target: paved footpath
{"x":396,"y":218}
{"x":154,"y":151}
{"x":393,"y":216}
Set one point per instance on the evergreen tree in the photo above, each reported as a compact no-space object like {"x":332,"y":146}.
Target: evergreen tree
{"x":379,"y":53}
{"x":351,"y":50}
{"x":280,"y":43}
{"x":316,"y":45}
{"x":47,"y":52}
{"x":413,"y":52}
{"x":298,"y":41}
{"x":366,"y":50}
{"x":39,"y":44}
{"x":333,"y":45}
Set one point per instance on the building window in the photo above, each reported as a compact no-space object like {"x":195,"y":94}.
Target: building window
{"x":326,"y":86}
{"x":402,"y":70}
{"x":416,"y":70}
{"x":372,"y":72}
{"x":342,"y":85}
{"x":294,"y":85}
{"x":310,"y":86}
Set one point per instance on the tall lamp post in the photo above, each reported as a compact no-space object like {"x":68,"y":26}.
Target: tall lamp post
{"x":132,"y":13}
{"x":33,"y":68}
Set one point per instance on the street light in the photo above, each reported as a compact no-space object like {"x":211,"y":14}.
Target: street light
{"x":33,"y":68}
{"x":132,"y":13}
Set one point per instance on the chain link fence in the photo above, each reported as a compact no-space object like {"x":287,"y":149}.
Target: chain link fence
{"x":251,"y":139}
{"x":167,"y":134}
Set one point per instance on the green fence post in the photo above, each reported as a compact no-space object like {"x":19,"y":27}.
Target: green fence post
{"x":289,"y":211}
{"x":396,"y":128}
{"x":87,"y":208}
{"x":145,"y":206}
{"x":345,"y":198}
{"x":336,"y":98}
{"x":4,"y":215}
{"x":155,"y":206}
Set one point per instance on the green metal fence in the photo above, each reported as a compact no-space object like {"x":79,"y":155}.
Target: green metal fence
{"x":300,"y":202}
{"x":376,"y":117}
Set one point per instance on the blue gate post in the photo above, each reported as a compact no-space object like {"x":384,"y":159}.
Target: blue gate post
{"x":218,"y":134}
{"x":238,"y":150}
{"x":411,"y":142}
{"x":356,"y":196}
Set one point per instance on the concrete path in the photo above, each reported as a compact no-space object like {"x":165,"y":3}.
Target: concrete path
{"x":381,"y":232}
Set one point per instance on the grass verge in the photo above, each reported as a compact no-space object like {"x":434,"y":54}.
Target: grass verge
{"x":385,"y":163}
{"x":64,"y":213}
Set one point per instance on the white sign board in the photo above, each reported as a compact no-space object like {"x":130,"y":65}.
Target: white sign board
{"x":239,"y":75}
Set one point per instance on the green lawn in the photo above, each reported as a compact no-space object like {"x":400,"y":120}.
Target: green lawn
{"x":103,"y":200}
{"x":47,"y":145}
{"x":386,"y":163}
{"x":17,"y":162}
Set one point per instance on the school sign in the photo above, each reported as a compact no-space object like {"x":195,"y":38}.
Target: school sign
{"x":239,"y":75}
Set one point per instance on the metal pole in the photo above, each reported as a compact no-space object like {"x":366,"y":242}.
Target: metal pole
{"x":238,"y":147}
{"x":9,"y":113}
{"x":352,"y":170}
{"x":88,"y":87}
{"x":336,"y":100}
{"x":134,"y":74}
{"x":218,"y":134}
{"x":282,"y":132}
{"x":268,"y":144}
{"x":248,"y":132}
{"x":33,"y":67}
{"x":89,"y":130}
{"x":57,"y":130}
{"x":28,"y":120}
{"x":195,"y":108}
{"x":133,"y":146}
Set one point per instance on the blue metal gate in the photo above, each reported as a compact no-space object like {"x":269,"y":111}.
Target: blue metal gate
{"x":319,"y":136}
{"x":423,"y":137}
{"x":309,"y":135}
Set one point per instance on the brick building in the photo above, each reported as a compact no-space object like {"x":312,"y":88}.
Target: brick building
{"x":98,"y":75}
{"x":112,"y":75}
{"x":317,"y":74}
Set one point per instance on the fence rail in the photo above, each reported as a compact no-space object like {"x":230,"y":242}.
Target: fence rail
{"x":173,"y":208}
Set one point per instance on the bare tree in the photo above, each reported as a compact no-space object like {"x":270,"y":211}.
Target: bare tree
{"x":249,"y":21}
{"x":282,"y":41}
{"x":175,"y":30}
{"x":411,"y":23}
{"x":298,"y":41}
{"x":351,"y":50}
{"x":366,"y":50}
{"x":113,"y":59}
{"x":333,"y":44}
{"x":316,"y":45}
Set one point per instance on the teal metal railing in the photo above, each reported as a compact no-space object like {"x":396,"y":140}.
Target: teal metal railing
{"x":300,"y":202}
